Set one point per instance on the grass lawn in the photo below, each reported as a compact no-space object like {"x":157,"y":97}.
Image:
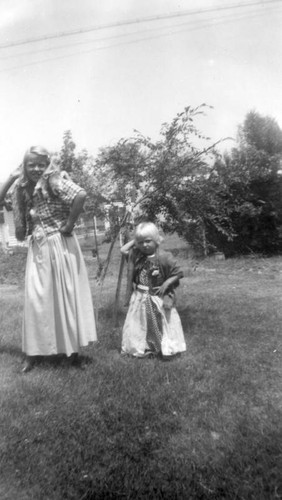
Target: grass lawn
{"x":206,"y":425}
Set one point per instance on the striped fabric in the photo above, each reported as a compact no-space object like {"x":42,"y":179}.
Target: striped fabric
{"x":148,"y":327}
{"x":154,"y":319}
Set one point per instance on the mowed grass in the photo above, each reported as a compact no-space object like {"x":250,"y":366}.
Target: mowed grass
{"x":206,"y":425}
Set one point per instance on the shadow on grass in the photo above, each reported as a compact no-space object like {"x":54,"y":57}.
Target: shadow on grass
{"x":144,"y":431}
{"x":146,"y":466}
{"x":62,"y":361}
{"x":191,"y":317}
{"x":252,"y":469}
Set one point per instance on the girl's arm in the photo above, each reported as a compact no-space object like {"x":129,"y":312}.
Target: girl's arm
{"x":125,"y":248}
{"x":173,"y":280}
{"x":9,"y":182}
{"x":171,"y":271}
{"x":75,"y":211}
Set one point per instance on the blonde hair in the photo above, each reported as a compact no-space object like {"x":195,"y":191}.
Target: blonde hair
{"x":148,"y":229}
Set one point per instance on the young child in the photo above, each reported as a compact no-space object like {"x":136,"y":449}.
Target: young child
{"x":152,"y":324}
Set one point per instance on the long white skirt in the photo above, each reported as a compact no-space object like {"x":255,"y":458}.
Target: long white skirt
{"x":135,"y":327}
{"x":58,"y":310}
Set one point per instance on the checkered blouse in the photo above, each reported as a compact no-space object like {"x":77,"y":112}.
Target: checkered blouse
{"x":54,"y":210}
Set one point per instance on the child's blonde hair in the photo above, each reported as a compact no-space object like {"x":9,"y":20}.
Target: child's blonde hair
{"x":147,"y":229}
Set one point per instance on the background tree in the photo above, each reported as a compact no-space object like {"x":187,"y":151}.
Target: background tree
{"x":252,"y":187}
{"x":229,"y":202}
{"x":180,"y":189}
{"x":81,"y":167}
{"x":67,"y":154}
{"x":119,"y":170}
{"x":168,"y":180}
{"x":84,"y":174}
{"x":261,"y":132}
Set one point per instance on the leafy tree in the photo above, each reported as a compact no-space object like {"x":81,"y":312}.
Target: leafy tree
{"x":119,"y":171}
{"x":67,"y":154}
{"x":249,"y":188}
{"x":253,"y":189}
{"x":83,"y":173}
{"x":168,"y":180}
{"x":81,"y":167}
{"x":261,"y":132}
{"x":231,"y":203}
{"x":180,"y":189}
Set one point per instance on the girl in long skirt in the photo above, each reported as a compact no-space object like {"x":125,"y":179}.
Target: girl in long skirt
{"x":152,"y":324}
{"x":58,"y":309}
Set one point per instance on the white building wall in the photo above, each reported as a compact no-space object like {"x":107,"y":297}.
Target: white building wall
{"x":7,"y":230}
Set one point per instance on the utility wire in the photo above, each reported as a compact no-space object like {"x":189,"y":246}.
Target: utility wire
{"x":200,"y":23}
{"x":136,"y":21}
{"x":129,"y":42}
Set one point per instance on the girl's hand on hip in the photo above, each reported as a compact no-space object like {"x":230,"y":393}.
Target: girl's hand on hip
{"x":66,"y":229}
{"x":65,"y":175}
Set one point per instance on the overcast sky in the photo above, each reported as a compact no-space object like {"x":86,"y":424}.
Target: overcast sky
{"x":119,"y":75}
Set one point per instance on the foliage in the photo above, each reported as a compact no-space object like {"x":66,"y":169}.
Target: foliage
{"x":229,"y":202}
{"x":81,"y":167}
{"x":83,"y":173}
{"x":261,"y":132}
{"x":179,"y":189}
{"x":253,"y":188}
{"x":67,"y":156}
{"x":168,"y":180}
{"x":119,"y":170}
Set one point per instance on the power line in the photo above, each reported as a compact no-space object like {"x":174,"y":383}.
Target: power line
{"x":136,"y":21}
{"x":129,"y":42}
{"x":219,"y":20}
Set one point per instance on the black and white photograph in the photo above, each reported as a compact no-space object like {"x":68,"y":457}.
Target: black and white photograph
{"x":141,"y":250}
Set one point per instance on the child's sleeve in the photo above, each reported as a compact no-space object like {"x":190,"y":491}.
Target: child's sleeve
{"x":172,"y":267}
{"x":127,"y":247}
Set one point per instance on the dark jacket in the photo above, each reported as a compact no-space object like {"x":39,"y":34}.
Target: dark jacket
{"x":162,"y":261}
